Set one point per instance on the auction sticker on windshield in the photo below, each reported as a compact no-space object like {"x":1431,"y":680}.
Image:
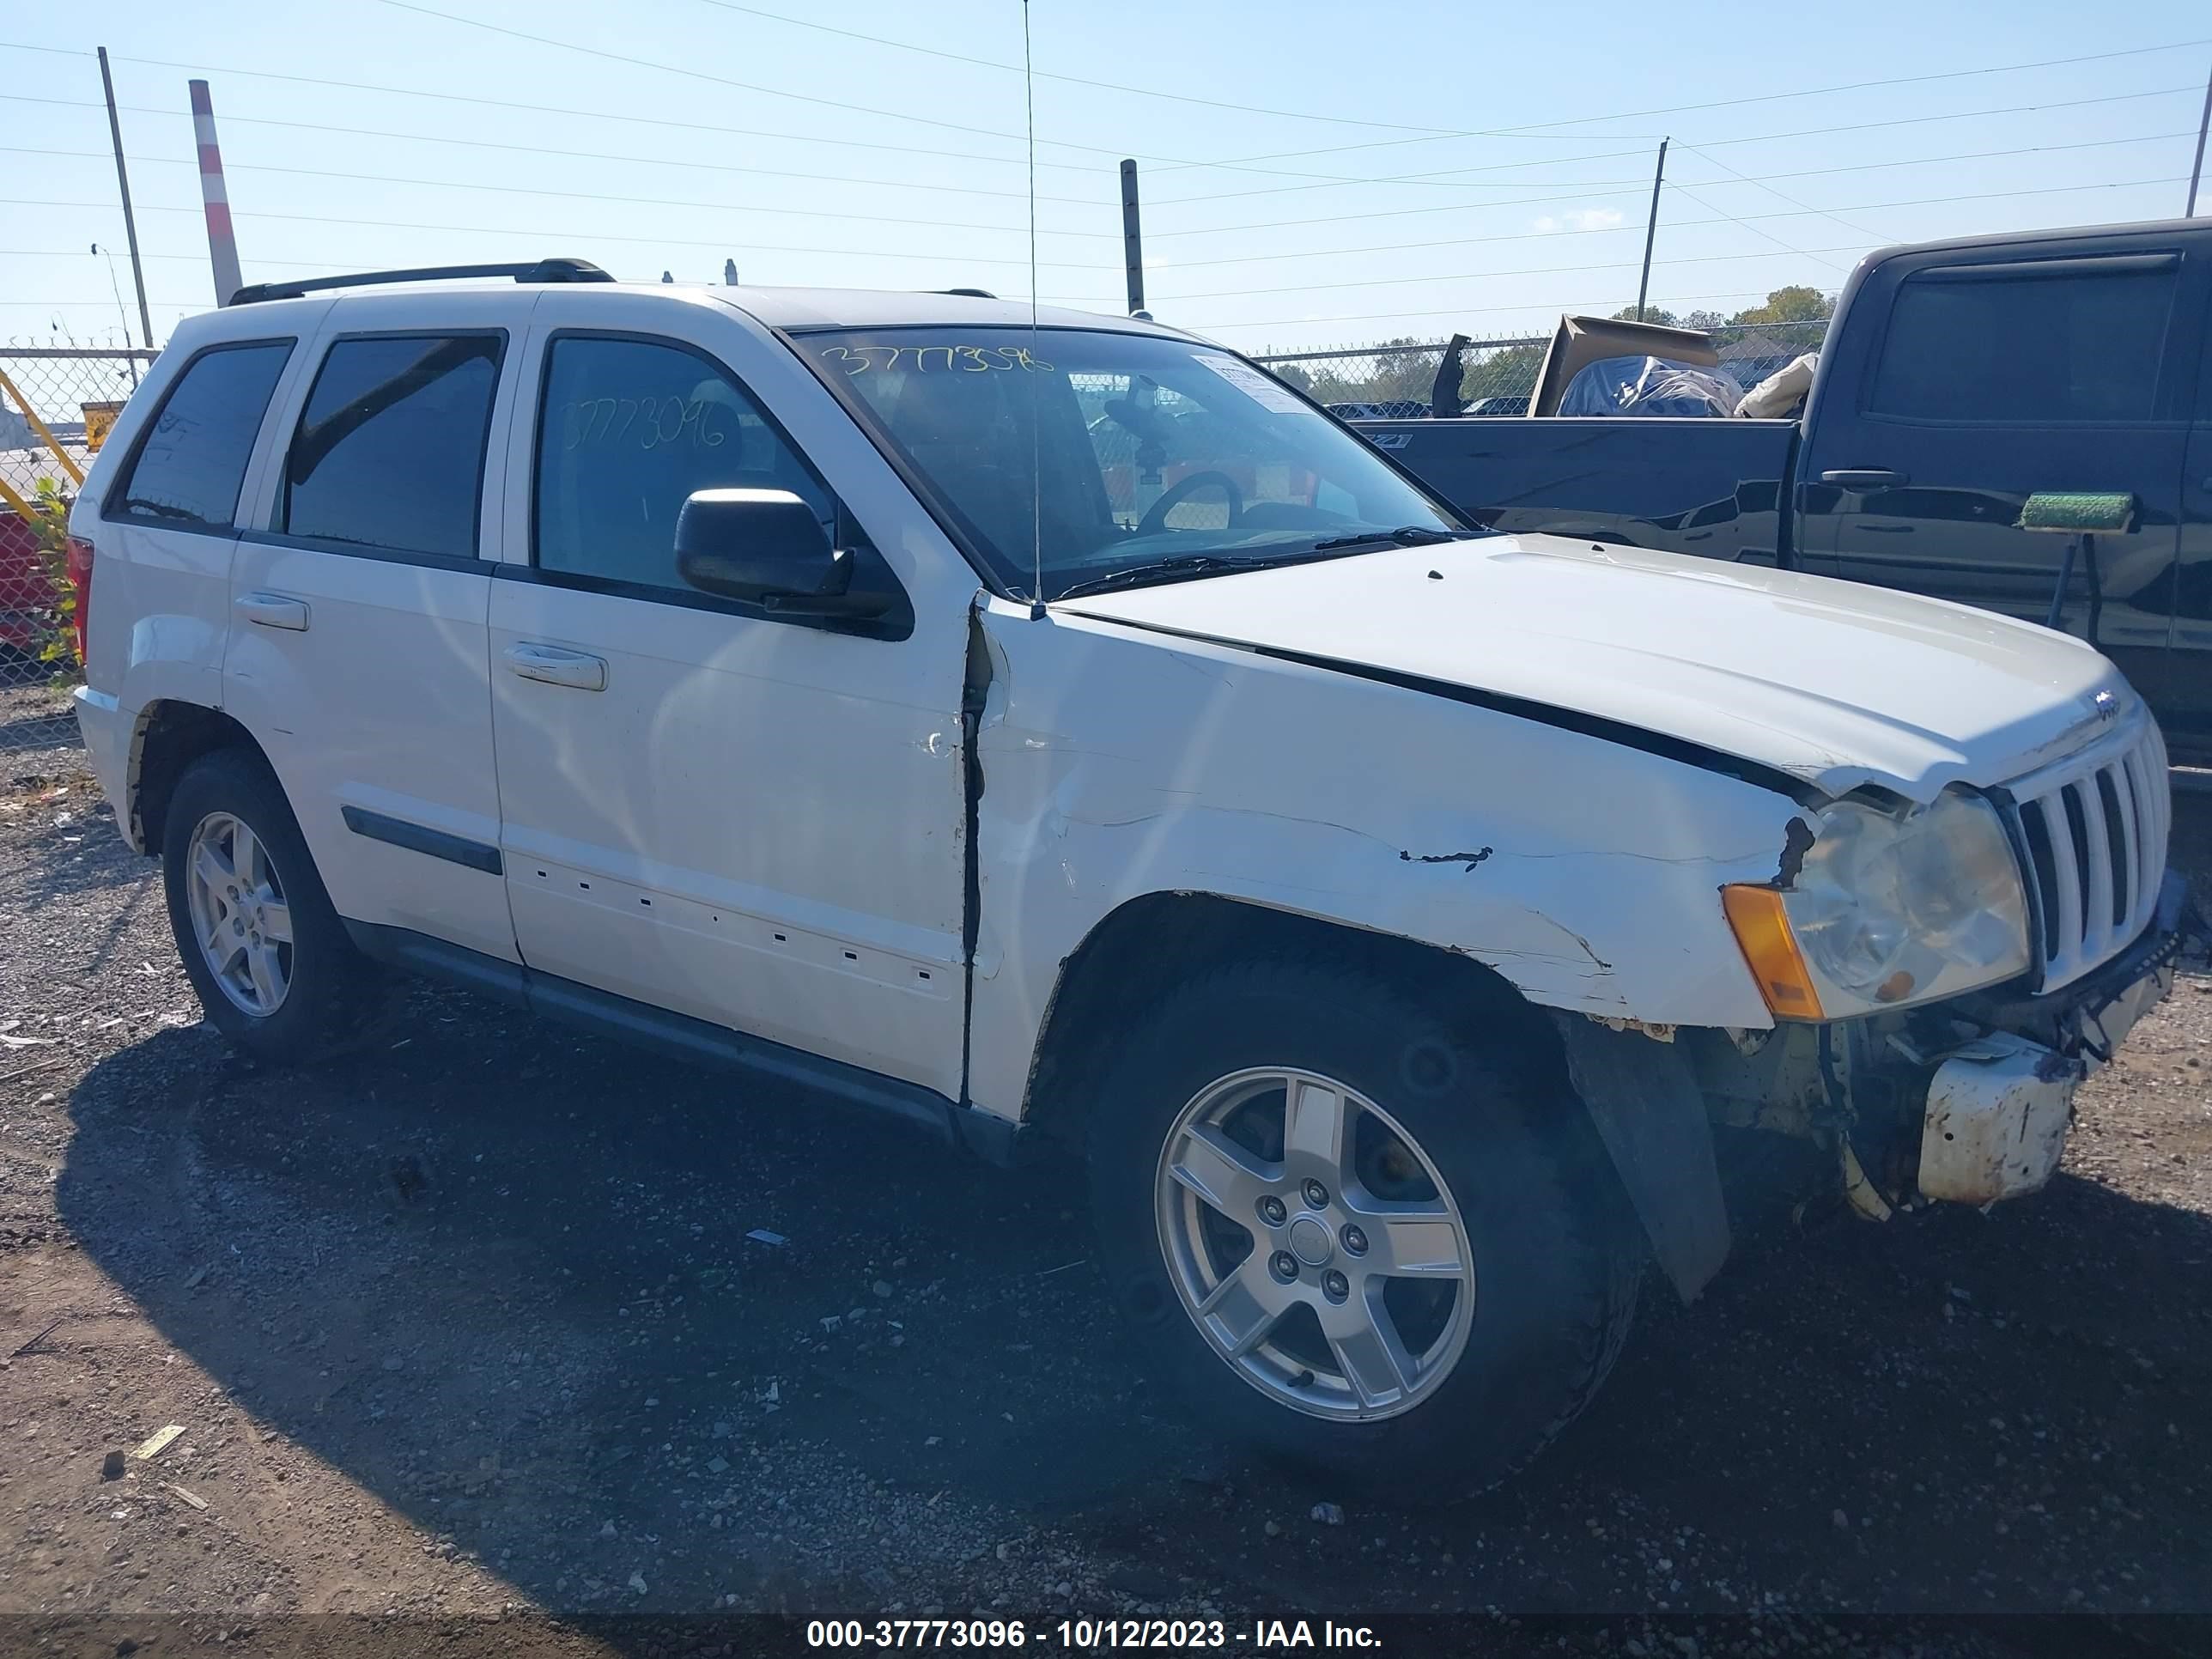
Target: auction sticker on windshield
{"x":1269,"y":394}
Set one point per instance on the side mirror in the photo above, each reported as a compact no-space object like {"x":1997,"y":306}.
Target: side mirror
{"x":766,"y":548}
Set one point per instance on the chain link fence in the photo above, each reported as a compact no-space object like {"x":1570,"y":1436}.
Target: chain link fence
{"x":1396,"y":380}
{"x":57,"y":404}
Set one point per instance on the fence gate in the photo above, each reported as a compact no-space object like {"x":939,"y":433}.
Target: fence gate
{"x":57,"y":404}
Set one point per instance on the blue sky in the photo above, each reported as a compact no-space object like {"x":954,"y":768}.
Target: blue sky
{"x":809,"y":157}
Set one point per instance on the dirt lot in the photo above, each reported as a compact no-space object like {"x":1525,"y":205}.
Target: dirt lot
{"x":467,"y":1325}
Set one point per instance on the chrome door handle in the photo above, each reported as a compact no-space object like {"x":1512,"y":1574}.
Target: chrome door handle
{"x":1865,"y":478}
{"x":274,"y":610}
{"x":555,"y":666}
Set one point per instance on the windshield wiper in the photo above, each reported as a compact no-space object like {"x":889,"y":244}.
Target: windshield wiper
{"x":1405,"y":535}
{"x":1187,"y":564}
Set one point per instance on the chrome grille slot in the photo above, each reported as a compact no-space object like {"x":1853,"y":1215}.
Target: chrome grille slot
{"x":2094,"y":828}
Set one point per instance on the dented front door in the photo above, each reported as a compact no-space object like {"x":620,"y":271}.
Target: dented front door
{"x":751,"y":821}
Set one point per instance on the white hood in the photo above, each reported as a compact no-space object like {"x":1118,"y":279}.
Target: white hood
{"x":1830,"y":681}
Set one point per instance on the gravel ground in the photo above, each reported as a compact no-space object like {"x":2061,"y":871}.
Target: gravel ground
{"x":466,"y":1325}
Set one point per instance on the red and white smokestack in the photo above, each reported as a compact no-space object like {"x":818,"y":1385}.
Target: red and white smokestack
{"x":222,"y":241}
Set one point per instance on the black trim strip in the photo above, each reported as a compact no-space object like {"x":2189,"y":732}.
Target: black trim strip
{"x":2082,"y":265}
{"x":682,"y":1038}
{"x":897,"y":623}
{"x":466,"y":563}
{"x":421,"y":838}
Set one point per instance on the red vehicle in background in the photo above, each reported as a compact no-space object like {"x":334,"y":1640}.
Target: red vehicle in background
{"x":28,"y":599}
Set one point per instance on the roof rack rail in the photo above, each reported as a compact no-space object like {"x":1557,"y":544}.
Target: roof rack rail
{"x":540,"y":271}
{"x":971,"y":293}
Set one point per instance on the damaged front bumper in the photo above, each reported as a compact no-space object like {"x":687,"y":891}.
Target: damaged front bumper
{"x":1967,"y":1100}
{"x":1999,"y":1105}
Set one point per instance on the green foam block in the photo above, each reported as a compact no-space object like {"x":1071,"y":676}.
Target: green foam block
{"x":2076,"y":513}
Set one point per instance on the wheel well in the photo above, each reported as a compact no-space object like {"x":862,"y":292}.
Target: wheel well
{"x":171,"y":736}
{"x":1138,"y":954}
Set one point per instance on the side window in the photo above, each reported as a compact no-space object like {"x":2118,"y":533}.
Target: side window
{"x":2016,"y":346}
{"x":626,"y":430}
{"x":192,"y":461}
{"x":390,"y":452}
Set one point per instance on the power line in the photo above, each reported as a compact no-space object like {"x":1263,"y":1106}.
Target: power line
{"x":1081,"y":81}
{"x":1978,"y":195}
{"x":1951,"y":115}
{"x":640,"y":120}
{"x":1165,"y":163}
{"x":1814,"y":254}
{"x":1479,"y":276}
{"x":1596,"y":188}
{"x":1727,"y":103}
{"x":1804,"y":173}
{"x":723,"y":167}
{"x":1779,"y":196}
{"x":563,"y":195}
{"x":1088,"y":168}
{"x":1615,"y":187}
{"x":718,"y":80}
{"x":555,"y":238}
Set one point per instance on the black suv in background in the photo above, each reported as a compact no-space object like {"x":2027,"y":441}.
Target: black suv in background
{"x":1958,"y":379}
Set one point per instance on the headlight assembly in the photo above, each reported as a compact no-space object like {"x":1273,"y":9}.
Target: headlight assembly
{"x":1887,"y":910}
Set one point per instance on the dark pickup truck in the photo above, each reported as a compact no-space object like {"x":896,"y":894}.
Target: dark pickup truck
{"x":1957,"y":380}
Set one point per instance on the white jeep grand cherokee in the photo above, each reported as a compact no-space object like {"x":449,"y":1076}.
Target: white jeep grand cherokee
{"x":1061,"y":727}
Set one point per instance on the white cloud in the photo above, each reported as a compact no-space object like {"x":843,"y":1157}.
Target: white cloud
{"x":1581,"y":219}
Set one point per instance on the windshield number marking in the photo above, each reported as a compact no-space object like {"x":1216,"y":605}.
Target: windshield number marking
{"x":650,"y":422}
{"x":936,"y":359}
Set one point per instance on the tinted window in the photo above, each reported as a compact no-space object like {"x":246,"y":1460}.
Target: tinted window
{"x":188,"y":468}
{"x":2079,"y":345}
{"x":627,"y":430}
{"x":390,"y":452}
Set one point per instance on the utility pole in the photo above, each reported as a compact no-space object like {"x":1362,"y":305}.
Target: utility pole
{"x":2196,"y":172}
{"x":1132,"y":240}
{"x":214,"y":198}
{"x":1651,"y":229}
{"x":129,"y":222}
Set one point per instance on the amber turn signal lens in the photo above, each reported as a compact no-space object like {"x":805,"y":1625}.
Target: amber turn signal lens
{"x":1762,"y":932}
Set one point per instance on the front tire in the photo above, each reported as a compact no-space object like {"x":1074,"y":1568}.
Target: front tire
{"x":263,"y":949}
{"x":1363,"y":1233}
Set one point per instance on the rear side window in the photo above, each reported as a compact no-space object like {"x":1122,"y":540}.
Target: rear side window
{"x":628,"y":429}
{"x":192,"y":461}
{"x":390,"y":453}
{"x":2011,"y":347}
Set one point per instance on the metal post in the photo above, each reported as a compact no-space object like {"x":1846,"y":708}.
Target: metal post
{"x":123,"y":182}
{"x":1651,"y":229}
{"x":1133,"y":241}
{"x":2196,"y":172}
{"x":214,"y":198}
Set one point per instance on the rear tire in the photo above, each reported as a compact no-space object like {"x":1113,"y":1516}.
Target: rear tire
{"x":1460,"y":1156}
{"x":265,"y":951}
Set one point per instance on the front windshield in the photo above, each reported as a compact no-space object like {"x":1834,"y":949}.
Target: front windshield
{"x":1116,"y":453}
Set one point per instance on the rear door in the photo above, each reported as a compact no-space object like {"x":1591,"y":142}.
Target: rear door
{"x":1985,"y":378}
{"x":357,"y":614}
